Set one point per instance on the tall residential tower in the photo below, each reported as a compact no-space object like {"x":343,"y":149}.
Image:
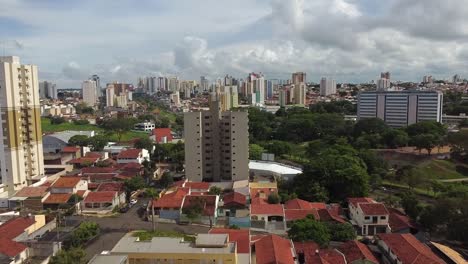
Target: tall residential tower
{"x":21,"y":155}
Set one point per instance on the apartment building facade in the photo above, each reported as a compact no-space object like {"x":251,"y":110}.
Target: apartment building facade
{"x":21,"y":158}
{"x":401,"y":108}
{"x":216,"y":145}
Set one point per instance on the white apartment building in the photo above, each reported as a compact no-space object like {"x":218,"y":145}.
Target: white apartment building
{"x":110,"y":91}
{"x":300,"y":94}
{"x":327,"y":87}
{"x":383,"y":84}
{"x":145,"y":126}
{"x":47,"y":90}
{"x":401,"y":108}
{"x":89,"y":89}
{"x":216,"y":145}
{"x":21,"y":155}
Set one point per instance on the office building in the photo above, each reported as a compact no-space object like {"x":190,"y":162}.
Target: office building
{"x":110,"y":95}
{"x":216,"y":144}
{"x":299,"y":77}
{"x":327,"y":86}
{"x":47,"y":90}
{"x":88,"y":89}
{"x":402,"y":108}
{"x":97,"y":80}
{"x":21,"y":155}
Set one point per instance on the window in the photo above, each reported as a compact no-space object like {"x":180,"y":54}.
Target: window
{"x":367,"y":217}
{"x":383,"y":217}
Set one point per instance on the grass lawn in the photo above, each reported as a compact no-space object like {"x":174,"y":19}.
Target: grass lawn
{"x":439,"y":169}
{"x":48,"y":127}
{"x":128,"y":136}
{"x":406,"y":187}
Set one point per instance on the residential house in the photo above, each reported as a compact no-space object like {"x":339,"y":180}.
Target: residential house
{"x":405,"y":248}
{"x":400,"y":223}
{"x":162,"y":135}
{"x":133,"y":155}
{"x":167,"y":207}
{"x":89,"y":159}
{"x":242,"y":239}
{"x":69,"y":152}
{"x":234,"y":210}
{"x":310,"y":253}
{"x":30,"y":198}
{"x":266,"y":216}
{"x":209,"y":205}
{"x":67,"y":184}
{"x":273,"y":249}
{"x":356,"y":253}
{"x":296,"y":209}
{"x":369,"y":216}
{"x":101,"y":202}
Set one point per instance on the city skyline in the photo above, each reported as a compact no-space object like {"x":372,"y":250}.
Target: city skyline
{"x":122,"y":41}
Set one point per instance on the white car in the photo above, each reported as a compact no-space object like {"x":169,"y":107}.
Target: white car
{"x":133,"y":201}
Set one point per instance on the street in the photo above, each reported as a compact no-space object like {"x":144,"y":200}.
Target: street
{"x":113,"y":228}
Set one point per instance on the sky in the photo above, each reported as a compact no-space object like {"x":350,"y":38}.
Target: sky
{"x":349,"y":40}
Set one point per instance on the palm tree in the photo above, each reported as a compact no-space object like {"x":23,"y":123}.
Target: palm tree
{"x":153,"y":194}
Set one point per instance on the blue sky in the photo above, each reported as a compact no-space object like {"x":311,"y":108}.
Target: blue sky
{"x":350,"y":40}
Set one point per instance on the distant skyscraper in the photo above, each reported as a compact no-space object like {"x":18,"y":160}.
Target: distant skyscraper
{"x":48,"y":90}
{"x":97,"y":80}
{"x":256,"y":88}
{"x":89,"y":91}
{"x":400,"y":109}
{"x":385,"y":75}
{"x":327,"y":86}
{"x":204,"y":84}
{"x":110,"y":95}
{"x":428,"y":79}
{"x":21,"y":155}
{"x":299,"y":77}
{"x":300,"y":93}
{"x":173,"y":84}
{"x":456,"y":78}
{"x":383,"y":84}
{"x":217,"y":145}
{"x":162,"y":84}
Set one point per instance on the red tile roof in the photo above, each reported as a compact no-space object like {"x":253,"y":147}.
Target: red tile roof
{"x":83,"y":160}
{"x":100,"y":197}
{"x":266,"y":209}
{"x":95,"y":170}
{"x":297,"y":204}
{"x":209,"y":203}
{"x":241,"y":237}
{"x":373,"y":208}
{"x":93,"y":155}
{"x":319,"y":205}
{"x":111,"y":186}
{"x":314,"y":255}
{"x":399,"y":221}
{"x":273,"y":249}
{"x":93,"y":185}
{"x":327,"y":215}
{"x":58,"y":198}
{"x":161,"y":133}
{"x":297,"y":214}
{"x":258,"y":200}
{"x":32,"y":191}
{"x":15,"y":227}
{"x":66,"y":182}
{"x":171,"y":200}
{"x":101,"y":177}
{"x":69,"y":149}
{"x":131,"y":165}
{"x":197,"y":185}
{"x":81,"y":193}
{"x":355,"y":250}
{"x":256,"y":192}
{"x":129,"y":154}
{"x":11,"y":248}
{"x":355,"y":200}
{"x":409,"y":250}
{"x":234,"y":198}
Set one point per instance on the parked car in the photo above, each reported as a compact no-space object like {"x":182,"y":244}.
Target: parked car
{"x":133,"y":201}
{"x":124,"y":209}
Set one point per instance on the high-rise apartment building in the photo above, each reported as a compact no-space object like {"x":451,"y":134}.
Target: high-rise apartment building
{"x":299,"y":77}
{"x":48,"y":90}
{"x":21,"y":155}
{"x":300,"y":91}
{"x":89,"y":90}
{"x":428,"y":79}
{"x":97,"y":80}
{"x":110,"y":92}
{"x":327,"y":86}
{"x":162,"y":84}
{"x":173,"y":84}
{"x":204,"y":84}
{"x":216,"y":145}
{"x":385,"y":75}
{"x":401,"y":108}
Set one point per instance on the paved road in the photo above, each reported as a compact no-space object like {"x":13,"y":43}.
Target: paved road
{"x":115,"y":227}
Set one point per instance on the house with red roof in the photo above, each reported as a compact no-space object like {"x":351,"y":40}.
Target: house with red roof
{"x":68,"y":184}
{"x":267,"y":216}
{"x":400,"y":222}
{"x":30,"y":198}
{"x":162,"y":135}
{"x":310,"y":253}
{"x":69,"y":152}
{"x":167,"y":206}
{"x":101,"y":202}
{"x":356,"y":252}
{"x":273,"y":249}
{"x":133,"y":155}
{"x":90,"y":158}
{"x":405,"y":248}
{"x":369,"y":216}
{"x":208,"y":204}
{"x":242,"y":239}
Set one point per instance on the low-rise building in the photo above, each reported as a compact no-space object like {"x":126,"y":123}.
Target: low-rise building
{"x":144,"y":126}
{"x":102,"y":202}
{"x":162,"y":135}
{"x":67,"y":184}
{"x":273,"y":249}
{"x":133,"y":155}
{"x":369,"y":216}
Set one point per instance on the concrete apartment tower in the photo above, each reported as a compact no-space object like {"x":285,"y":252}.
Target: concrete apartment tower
{"x":89,"y":91}
{"x":216,"y":145}
{"x":21,"y":155}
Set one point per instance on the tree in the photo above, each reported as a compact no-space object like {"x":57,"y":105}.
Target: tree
{"x":426,"y":127}
{"x":153,"y":194}
{"x":133,"y":184}
{"x":370,"y":126}
{"x":84,"y":233}
{"x":273,"y":198}
{"x":425,"y":141}
{"x":278,"y":147}
{"x":341,"y":232}
{"x":98,"y":142}
{"x":215,"y":190}
{"x":79,"y":140}
{"x":119,"y":126}
{"x":57,"y":120}
{"x":395,"y":138}
{"x":71,"y":256}
{"x":410,"y":204}
{"x":255,"y":152}
{"x":308,"y":229}
{"x":144,"y":143}
{"x":167,"y":179}
{"x":195,"y":209}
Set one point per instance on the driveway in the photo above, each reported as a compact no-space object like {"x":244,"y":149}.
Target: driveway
{"x":113,"y":228}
